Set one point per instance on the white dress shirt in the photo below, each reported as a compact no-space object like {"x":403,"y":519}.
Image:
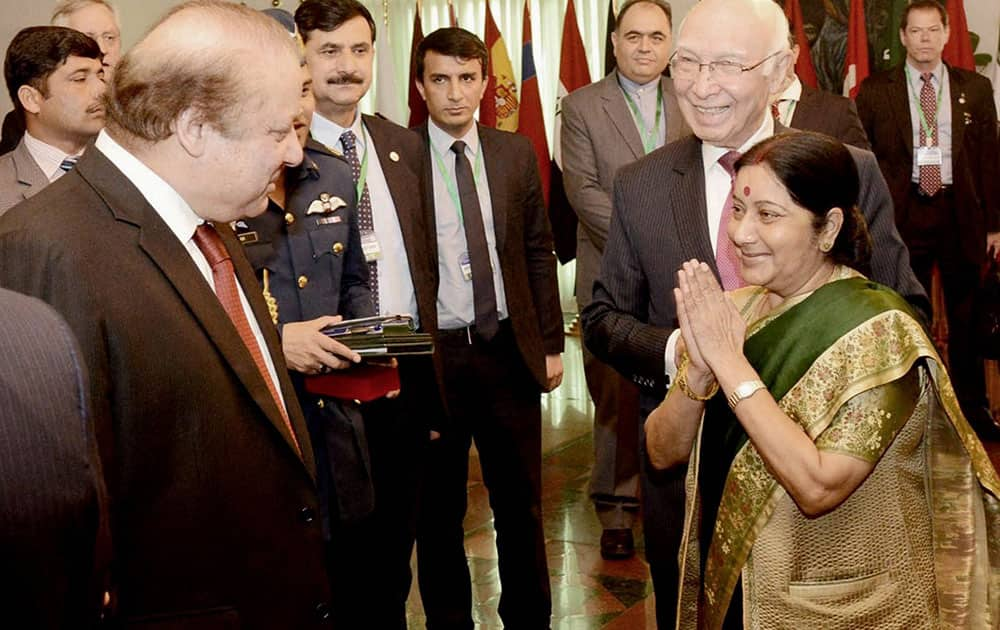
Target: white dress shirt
{"x":717,"y":186}
{"x":788,"y":100}
{"x":455,"y":304}
{"x":395,"y":284}
{"x":183,"y":222}
{"x":47,"y":157}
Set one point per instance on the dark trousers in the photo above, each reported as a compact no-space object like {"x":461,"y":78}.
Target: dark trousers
{"x":932,"y":236}
{"x":492,"y":399}
{"x":370,"y":558}
{"x":662,"y":523}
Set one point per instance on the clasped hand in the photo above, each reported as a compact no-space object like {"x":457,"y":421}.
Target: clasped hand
{"x":711,"y":328}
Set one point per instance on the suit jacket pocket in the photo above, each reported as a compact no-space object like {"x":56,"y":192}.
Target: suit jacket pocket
{"x":331,"y":239}
{"x":223,"y":618}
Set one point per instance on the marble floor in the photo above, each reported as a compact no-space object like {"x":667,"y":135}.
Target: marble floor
{"x":587,"y":591}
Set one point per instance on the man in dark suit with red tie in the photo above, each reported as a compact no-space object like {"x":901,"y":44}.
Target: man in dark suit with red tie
{"x":207,"y":459}
{"x":933,"y":129}
{"x":499,"y":339}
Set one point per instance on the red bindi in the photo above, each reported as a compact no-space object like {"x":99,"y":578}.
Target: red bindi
{"x":746,"y":191}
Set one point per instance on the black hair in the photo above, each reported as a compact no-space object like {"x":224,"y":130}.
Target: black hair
{"x":328,"y":15}
{"x":38,"y":51}
{"x":452,"y":42}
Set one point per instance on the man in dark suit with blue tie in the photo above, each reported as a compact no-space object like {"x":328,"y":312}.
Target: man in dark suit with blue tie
{"x":729,"y":64}
{"x":499,"y":338}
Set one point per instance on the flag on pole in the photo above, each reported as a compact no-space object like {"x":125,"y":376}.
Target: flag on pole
{"x":388,"y":100}
{"x":856,"y":61}
{"x":452,"y":16}
{"x":573,"y":74}
{"x":958,"y":51}
{"x":530,"y":121}
{"x":418,"y":108}
{"x":499,"y":105}
{"x":803,"y":66}
{"x":609,"y":48}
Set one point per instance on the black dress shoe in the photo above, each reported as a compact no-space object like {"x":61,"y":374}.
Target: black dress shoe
{"x":617,"y":544}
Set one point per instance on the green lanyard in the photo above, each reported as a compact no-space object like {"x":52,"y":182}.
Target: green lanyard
{"x":650,"y":137}
{"x":929,"y":134}
{"x":449,"y":178}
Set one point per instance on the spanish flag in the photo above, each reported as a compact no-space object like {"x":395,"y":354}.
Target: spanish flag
{"x":499,"y":105}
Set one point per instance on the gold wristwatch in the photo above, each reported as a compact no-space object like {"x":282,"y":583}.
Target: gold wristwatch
{"x":744,"y":390}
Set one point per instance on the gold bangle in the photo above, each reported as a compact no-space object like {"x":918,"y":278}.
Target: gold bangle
{"x":683,"y":384}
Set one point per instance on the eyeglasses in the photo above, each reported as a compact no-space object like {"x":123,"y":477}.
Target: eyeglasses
{"x":687,"y":68}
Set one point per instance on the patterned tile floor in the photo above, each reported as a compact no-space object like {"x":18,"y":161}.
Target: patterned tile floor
{"x":588,"y":592}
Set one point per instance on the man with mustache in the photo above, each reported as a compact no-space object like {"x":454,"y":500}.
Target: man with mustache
{"x":97,"y":19}
{"x":670,"y":206}
{"x":385,"y":158}
{"x":210,"y":477}
{"x":55,"y":80}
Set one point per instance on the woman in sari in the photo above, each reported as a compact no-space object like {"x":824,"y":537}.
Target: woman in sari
{"x":832,"y":480}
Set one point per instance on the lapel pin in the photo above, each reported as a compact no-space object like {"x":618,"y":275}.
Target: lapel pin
{"x":961,"y":98}
{"x":393,"y":156}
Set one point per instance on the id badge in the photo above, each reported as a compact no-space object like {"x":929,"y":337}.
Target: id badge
{"x":370,"y":245}
{"x":465,"y":263}
{"x":929,"y":156}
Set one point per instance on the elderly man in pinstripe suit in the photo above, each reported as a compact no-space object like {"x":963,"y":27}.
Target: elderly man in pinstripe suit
{"x":729,"y":63}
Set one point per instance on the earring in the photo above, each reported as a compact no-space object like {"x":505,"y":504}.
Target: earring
{"x":825,"y":247}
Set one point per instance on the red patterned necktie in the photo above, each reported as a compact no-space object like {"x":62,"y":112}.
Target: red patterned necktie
{"x":208,"y":241}
{"x":930,"y":174}
{"x":726,"y":257}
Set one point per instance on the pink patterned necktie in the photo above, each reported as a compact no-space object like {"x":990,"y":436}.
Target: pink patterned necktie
{"x":726,"y":257}
{"x":930,"y":174}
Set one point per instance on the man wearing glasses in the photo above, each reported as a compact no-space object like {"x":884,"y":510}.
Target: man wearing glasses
{"x":674,"y":204}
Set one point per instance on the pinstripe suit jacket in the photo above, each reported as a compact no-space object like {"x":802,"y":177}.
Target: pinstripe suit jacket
{"x":659,"y":221}
{"x":52,"y":545}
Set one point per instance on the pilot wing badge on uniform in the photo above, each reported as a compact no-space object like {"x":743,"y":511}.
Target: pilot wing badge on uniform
{"x":326,"y":204}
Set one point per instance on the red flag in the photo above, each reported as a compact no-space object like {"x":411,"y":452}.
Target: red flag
{"x":804,"y":65}
{"x":418,"y":108}
{"x":573,"y":74}
{"x":856,"y":62}
{"x":499,"y":105}
{"x":531,"y":122}
{"x":958,"y":50}
{"x":452,"y":17}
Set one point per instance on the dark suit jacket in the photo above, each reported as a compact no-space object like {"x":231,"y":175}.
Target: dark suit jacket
{"x":885,"y":112}
{"x":660,"y":221}
{"x":523,"y":240}
{"x":53,"y":536}
{"x":214,"y":512}
{"x":829,"y":113}
{"x":324,"y":250}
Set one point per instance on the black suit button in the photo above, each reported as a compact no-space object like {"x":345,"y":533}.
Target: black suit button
{"x":323,"y":611}
{"x":307,"y":514}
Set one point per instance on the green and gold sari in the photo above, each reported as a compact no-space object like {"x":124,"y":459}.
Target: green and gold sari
{"x":916,"y":544}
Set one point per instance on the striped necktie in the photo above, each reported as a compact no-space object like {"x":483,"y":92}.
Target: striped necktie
{"x":68,"y":164}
